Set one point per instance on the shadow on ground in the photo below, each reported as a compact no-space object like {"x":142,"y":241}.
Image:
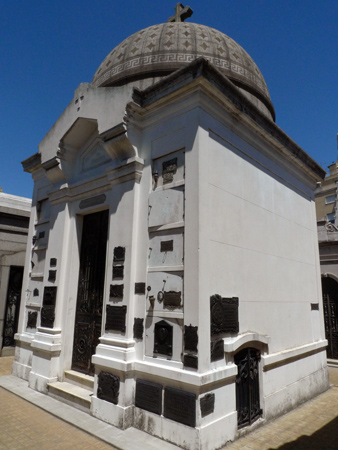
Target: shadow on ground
{"x":326,"y":438}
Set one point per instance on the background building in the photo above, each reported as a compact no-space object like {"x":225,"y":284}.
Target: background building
{"x":14,"y":221}
{"x":173,"y":246}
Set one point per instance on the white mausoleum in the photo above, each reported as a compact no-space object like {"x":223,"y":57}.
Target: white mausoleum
{"x":172,"y":268}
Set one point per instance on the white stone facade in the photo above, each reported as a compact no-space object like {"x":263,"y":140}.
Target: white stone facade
{"x":206,"y":197}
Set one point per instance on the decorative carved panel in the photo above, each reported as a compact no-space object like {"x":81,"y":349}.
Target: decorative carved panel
{"x":223,"y":315}
{"x":180,"y":406}
{"x":108,"y":387}
{"x":149,"y":396}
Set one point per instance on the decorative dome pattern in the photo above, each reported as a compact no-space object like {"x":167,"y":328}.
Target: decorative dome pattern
{"x":161,"y":49}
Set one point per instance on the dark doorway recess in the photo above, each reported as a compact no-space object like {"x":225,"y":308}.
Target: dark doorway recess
{"x":12,"y":305}
{"x":90,"y":290}
{"x":330,"y":306}
{"x":247,"y":386}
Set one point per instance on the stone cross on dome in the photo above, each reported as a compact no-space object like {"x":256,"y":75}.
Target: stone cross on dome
{"x":181,"y":13}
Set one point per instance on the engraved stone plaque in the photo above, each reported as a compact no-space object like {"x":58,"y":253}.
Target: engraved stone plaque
{"x":172,"y":299}
{"x":190,"y":361}
{"x":149,"y":396}
{"x":223,"y":315}
{"x":36,"y":292}
{"x":138,"y":328}
{"x":108,"y":387}
{"x":116,"y":318}
{"x":116,"y":290}
{"x":140,"y":288}
{"x":32,"y":319}
{"x":52,"y":276}
{"x":190,"y":338}
{"x":207,"y":404}
{"x":163,"y":342}
{"x":118,"y":272}
{"x":180,"y":406}
{"x":167,"y":246}
{"x":119,"y":254}
{"x":92,"y":201}
{"x":53,"y":262}
{"x":169,"y":169}
{"x":217,"y":350}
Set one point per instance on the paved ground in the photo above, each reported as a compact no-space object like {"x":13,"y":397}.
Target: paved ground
{"x":312,"y":426}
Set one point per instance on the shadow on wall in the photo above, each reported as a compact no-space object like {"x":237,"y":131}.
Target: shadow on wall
{"x":325,"y":438}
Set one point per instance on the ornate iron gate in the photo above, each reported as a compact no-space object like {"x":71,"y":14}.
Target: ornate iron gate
{"x":90,"y":290}
{"x":247,"y":386}
{"x":12,"y":305}
{"x":330,"y":306}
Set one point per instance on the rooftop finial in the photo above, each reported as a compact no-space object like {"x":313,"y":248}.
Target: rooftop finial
{"x":181,"y":13}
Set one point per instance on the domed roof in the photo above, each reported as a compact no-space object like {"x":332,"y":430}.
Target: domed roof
{"x":161,"y":49}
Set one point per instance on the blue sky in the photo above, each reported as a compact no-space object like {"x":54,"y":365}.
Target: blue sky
{"x":49,"y":47}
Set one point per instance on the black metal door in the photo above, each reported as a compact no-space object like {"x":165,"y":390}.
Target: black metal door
{"x":330,"y":305}
{"x":90,"y":290}
{"x":247,"y":386}
{"x":12,"y":305}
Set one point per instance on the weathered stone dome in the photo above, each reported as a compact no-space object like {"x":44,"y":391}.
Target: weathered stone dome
{"x":161,"y":49}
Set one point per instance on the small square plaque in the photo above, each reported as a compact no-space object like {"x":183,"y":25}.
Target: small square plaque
{"x":140,"y":288}
{"x":119,"y":254}
{"x":207,"y":404}
{"x":118,"y":272}
{"x":116,"y":290}
{"x":190,"y":361}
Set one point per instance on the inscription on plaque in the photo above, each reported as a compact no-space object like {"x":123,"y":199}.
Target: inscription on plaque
{"x":53,"y":262}
{"x":118,"y":272}
{"x":32,"y":319}
{"x":108,"y":387}
{"x":190,"y":361}
{"x":92,"y":201}
{"x":36,"y":292}
{"x":48,"y":307}
{"x":207,"y":404}
{"x":163,"y":343}
{"x":172,"y":299}
{"x":138,"y":328}
{"x":140,"y":288}
{"x":149,"y":396}
{"x":167,"y":246}
{"x":116,"y":318}
{"x":119,"y":254}
{"x":217,"y":350}
{"x":52,"y":276}
{"x":116,"y":290}
{"x":190,"y":338}
{"x":169,"y":169}
{"x":223,"y":315}
{"x":180,"y":406}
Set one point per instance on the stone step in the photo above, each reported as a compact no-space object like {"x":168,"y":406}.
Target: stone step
{"x":71,"y":394}
{"x":79,"y":379}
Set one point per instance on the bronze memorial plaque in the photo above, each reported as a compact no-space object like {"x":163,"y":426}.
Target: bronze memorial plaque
{"x":32,"y":319}
{"x":167,"y":246}
{"x":207,"y":404}
{"x":149,"y":396}
{"x":116,"y":290}
{"x":116,"y":318}
{"x":172,"y":299}
{"x":140,"y":288}
{"x":163,"y":342}
{"x":217,"y":350}
{"x":119,"y":254}
{"x":52,"y":276}
{"x":190,"y":361}
{"x":190,"y":338}
{"x":118,"y":272}
{"x":223,"y":315}
{"x":108,"y":387}
{"x":138,"y":328}
{"x":48,"y":306}
{"x":53,"y":262}
{"x":180,"y":406}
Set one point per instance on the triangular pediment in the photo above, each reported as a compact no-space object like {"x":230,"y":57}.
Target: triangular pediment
{"x":94,"y":157}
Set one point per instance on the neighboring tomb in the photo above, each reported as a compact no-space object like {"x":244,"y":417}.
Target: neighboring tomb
{"x":173,"y":246}
{"x":14,"y":222}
